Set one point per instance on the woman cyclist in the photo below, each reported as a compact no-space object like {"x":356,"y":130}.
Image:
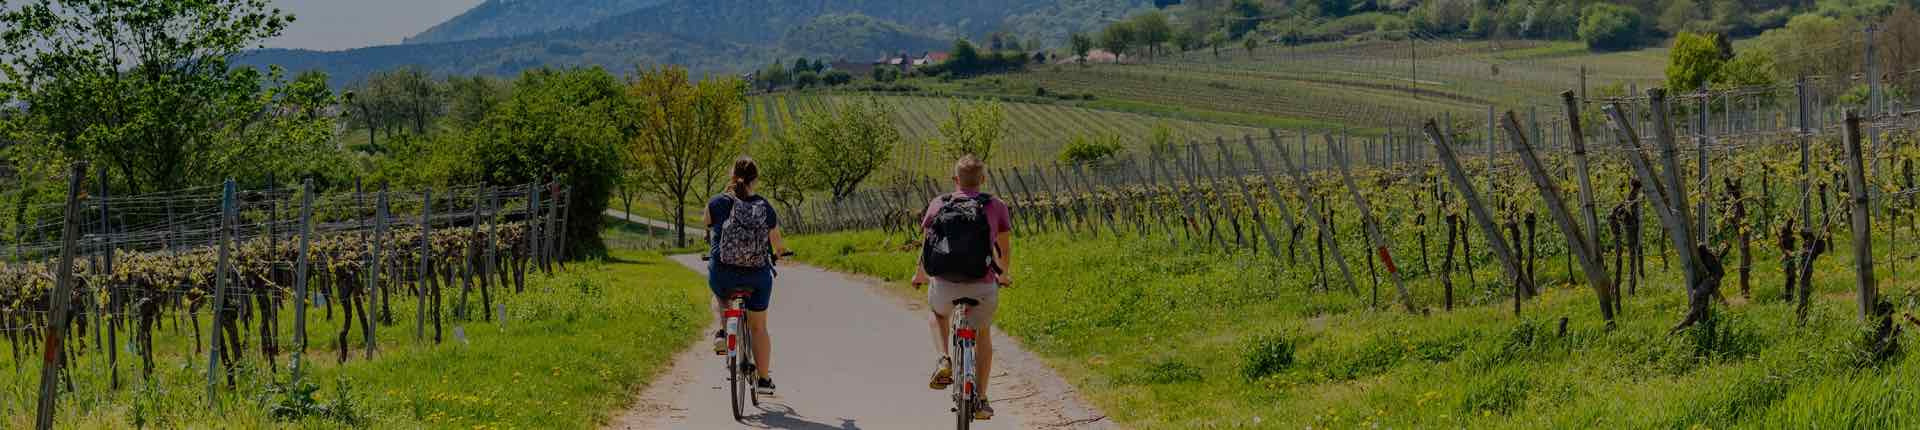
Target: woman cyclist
{"x":745,"y":238}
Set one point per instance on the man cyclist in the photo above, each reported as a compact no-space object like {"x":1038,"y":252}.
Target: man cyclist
{"x":968,"y":249}
{"x":745,"y":237}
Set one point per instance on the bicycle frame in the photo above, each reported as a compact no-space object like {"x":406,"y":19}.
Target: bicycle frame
{"x":963,"y":336}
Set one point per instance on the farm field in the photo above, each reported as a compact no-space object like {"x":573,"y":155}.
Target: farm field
{"x":1035,"y":133}
{"x":1361,"y":86}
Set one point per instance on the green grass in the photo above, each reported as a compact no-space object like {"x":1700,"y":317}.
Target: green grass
{"x":1166,"y":336}
{"x":572,"y":351}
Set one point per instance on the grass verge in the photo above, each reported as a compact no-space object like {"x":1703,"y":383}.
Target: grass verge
{"x":1166,"y":336}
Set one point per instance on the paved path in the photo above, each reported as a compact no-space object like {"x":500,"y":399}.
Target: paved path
{"x":849,"y":355}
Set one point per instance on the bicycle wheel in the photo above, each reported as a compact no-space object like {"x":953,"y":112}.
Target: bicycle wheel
{"x":735,"y":384}
{"x":962,"y":412}
{"x":751,"y":371}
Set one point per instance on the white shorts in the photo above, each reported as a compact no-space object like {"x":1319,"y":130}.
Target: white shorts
{"x":941,"y":294}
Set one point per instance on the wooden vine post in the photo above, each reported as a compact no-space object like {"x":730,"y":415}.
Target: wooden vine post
{"x":373,"y":275}
{"x":1862,"y":217}
{"x":1481,"y":215}
{"x":425,"y":275}
{"x":53,"y":349}
{"x":1669,"y":202}
{"x":1253,"y":203}
{"x":1587,"y":253}
{"x":300,"y":280}
{"x":1305,"y":192}
{"x":1382,"y":246}
{"x":221,"y":274}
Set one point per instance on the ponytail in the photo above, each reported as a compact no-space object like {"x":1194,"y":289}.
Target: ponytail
{"x":744,"y":173}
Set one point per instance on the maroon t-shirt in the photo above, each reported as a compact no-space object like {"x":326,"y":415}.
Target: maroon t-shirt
{"x":998,"y":218}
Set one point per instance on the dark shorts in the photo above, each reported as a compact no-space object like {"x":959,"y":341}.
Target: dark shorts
{"x":720,"y":279}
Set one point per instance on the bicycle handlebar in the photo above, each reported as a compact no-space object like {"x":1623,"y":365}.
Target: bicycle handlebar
{"x":709,"y":257}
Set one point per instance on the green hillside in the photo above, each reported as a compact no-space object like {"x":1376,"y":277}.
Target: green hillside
{"x":1035,"y":132}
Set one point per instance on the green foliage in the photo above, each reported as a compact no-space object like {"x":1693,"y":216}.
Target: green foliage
{"x":1151,"y":30}
{"x":836,"y":78}
{"x":854,"y":36}
{"x":559,"y":125}
{"x":1607,"y":27}
{"x":1805,"y":47}
{"x":1171,"y":372}
{"x":1118,"y":38}
{"x":806,"y":79}
{"x":1091,"y":149}
{"x":145,"y":88}
{"x":683,"y":134}
{"x":295,"y":402}
{"x":1266,"y":355}
{"x":1694,"y":61}
{"x":844,"y":148}
{"x":1081,"y":44}
{"x":972,"y":129}
{"x":1502,"y":394}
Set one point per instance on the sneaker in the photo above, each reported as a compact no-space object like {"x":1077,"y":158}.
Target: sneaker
{"x":764,"y":386}
{"x":720,"y":342}
{"x":942,"y":374}
{"x":981,"y":410}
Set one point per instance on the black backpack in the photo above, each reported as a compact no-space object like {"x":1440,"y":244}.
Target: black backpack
{"x":960,"y":241}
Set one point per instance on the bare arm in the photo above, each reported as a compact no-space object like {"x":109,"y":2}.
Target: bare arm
{"x":779,"y":245}
{"x":1003,"y":255}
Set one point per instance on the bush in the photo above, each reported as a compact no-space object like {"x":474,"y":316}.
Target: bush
{"x":1084,"y":150}
{"x":1266,"y":355}
{"x":837,"y":78}
{"x":803,"y":80}
{"x":1609,"y":27}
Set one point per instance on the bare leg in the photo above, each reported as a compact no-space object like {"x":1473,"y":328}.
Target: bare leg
{"x":762,"y":343}
{"x":983,"y":358}
{"x":938,"y":324}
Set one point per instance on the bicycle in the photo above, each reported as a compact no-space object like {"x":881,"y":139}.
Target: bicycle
{"x":961,"y":358}
{"x":740,"y":365}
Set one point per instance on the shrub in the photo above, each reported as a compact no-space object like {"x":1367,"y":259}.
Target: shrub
{"x":1266,"y":355}
{"x":1609,"y":27}
{"x":803,"y":80}
{"x":1084,"y":149}
{"x":837,"y":78}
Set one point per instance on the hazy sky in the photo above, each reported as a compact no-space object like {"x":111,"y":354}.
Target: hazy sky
{"x":347,"y":24}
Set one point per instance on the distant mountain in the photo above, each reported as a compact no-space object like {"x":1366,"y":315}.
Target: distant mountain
{"x":509,"y":56}
{"x":504,"y":18}
{"x":503,"y":37}
{"x":855,"y":37}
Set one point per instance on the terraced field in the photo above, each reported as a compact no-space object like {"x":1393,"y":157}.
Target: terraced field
{"x":1035,"y":132}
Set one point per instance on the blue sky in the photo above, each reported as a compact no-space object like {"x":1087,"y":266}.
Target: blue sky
{"x":348,"y":24}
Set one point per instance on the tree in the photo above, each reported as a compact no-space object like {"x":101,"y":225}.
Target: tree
{"x":775,"y":76}
{"x":1805,"y":47}
{"x":837,"y":78}
{"x":1117,"y":38}
{"x":972,"y":130}
{"x":1152,"y":29}
{"x":844,"y":148}
{"x":1693,"y":62}
{"x":469,"y":99}
{"x":1244,"y":15}
{"x":1217,"y":40}
{"x":142,"y":86}
{"x":1610,"y":27}
{"x":965,"y":58}
{"x":1091,"y":149}
{"x":683,"y":131}
{"x":1081,"y":45}
{"x":567,"y":126}
{"x":806,"y":79}
{"x":786,"y":174}
{"x":1251,"y":43}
